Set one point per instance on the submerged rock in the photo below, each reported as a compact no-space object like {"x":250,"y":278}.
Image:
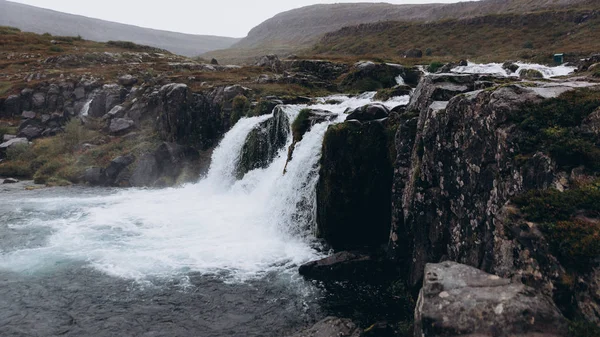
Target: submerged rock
{"x":460,"y":300}
{"x":331,"y":327}
{"x":531,"y":74}
{"x":346,"y":266}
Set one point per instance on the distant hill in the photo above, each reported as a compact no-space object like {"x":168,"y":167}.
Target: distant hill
{"x":39,"y":20}
{"x":291,"y":31}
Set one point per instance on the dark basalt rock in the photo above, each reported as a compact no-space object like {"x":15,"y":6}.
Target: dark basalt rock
{"x":117,"y":166}
{"x":330,"y":327}
{"x":264,"y":143}
{"x":121,"y":126}
{"x":11,"y":106}
{"x":530,"y":74}
{"x":370,"y":76}
{"x":347,"y":266}
{"x":458,"y":300}
{"x":440,"y":87}
{"x":510,"y":67}
{"x":369,"y":112}
{"x":95,"y":176}
{"x":413,"y":53}
{"x":354,"y":188}
{"x":31,"y":132}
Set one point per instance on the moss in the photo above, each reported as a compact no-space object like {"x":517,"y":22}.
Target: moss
{"x":301,"y":124}
{"x":434,"y":66}
{"x":576,"y":243}
{"x":240,"y":107}
{"x":263,"y":107}
{"x":552,"y":127}
{"x":581,"y":328}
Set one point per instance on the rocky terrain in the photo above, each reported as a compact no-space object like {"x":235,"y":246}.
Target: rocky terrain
{"x":474,"y":208}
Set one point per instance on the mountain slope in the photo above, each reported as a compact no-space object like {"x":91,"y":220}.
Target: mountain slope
{"x":39,"y":20}
{"x":493,"y":37}
{"x":291,"y":31}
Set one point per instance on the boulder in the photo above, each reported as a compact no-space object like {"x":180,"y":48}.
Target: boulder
{"x":127,"y":80}
{"x":530,"y":74}
{"x":413,"y":53}
{"x":458,"y":300}
{"x":28,"y":115}
{"x":10,"y":181}
{"x":116,"y":166}
{"x":146,"y":172}
{"x":331,"y":327}
{"x":510,"y":67}
{"x":264,"y":143}
{"x":95,"y":176}
{"x":397,"y":91}
{"x":12,"y":142}
{"x":97,"y":107}
{"x":369,"y":112}
{"x":347,"y":266}
{"x":11,"y":106}
{"x":6,"y":138}
{"x":354,"y":187}
{"x":117,"y":112}
{"x":440,"y":87}
{"x":38,"y":100}
{"x":270,"y":61}
{"x":120,"y":126}
{"x":370,"y":76}
{"x":31,"y":132}
{"x":214,"y":62}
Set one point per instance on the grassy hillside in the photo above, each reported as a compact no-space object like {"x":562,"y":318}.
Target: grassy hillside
{"x":534,"y":36}
{"x":39,"y":20}
{"x":295,"y":30}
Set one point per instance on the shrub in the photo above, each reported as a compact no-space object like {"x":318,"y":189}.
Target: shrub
{"x":434,"y":66}
{"x":576,"y":243}
{"x":428,"y":52}
{"x":56,"y":49}
{"x":581,"y":328}
{"x":20,"y":152}
{"x":528,"y":45}
{"x":240,"y":107}
{"x":76,"y":134}
{"x":17,"y":169}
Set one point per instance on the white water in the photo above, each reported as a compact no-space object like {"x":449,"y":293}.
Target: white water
{"x":237,"y":229}
{"x":86,"y":108}
{"x":496,"y":69}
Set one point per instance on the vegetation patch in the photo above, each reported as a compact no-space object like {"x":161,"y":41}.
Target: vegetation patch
{"x":435,"y":66}
{"x":301,"y":124}
{"x":240,"y":108}
{"x":570,"y":220}
{"x":553,"y":127}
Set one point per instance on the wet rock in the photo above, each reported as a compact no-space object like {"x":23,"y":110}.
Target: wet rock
{"x":413,"y":53}
{"x":397,"y":91}
{"x":146,"y":172}
{"x":263,"y":143}
{"x":330,"y":327}
{"x":28,"y":115}
{"x":354,"y":188}
{"x":116,"y":112}
{"x":591,"y":125}
{"x":462,"y":300}
{"x":31,"y":132}
{"x":510,"y":67}
{"x":95,"y":176}
{"x":120,"y":126}
{"x":306,"y":119}
{"x":530,"y":74}
{"x":369,"y":112}
{"x":117,"y":166}
{"x":127,"y":80}
{"x":10,"y":181}
{"x":347,"y":266}
{"x":173,"y":159}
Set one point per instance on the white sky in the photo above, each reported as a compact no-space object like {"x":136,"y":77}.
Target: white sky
{"x":212,"y":17}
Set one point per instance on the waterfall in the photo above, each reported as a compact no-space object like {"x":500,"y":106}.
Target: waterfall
{"x":86,"y":108}
{"x":236,"y":229}
{"x":496,"y":69}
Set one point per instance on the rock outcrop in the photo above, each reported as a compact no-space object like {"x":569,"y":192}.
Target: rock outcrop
{"x":353,"y":192}
{"x":458,"y":300}
{"x":370,"y":76}
{"x":330,"y":327}
{"x":264,"y":143}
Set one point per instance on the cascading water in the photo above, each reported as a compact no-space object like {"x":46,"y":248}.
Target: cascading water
{"x":251,"y":233}
{"x":497,"y":69}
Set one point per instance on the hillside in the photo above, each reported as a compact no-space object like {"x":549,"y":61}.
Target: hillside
{"x":291,"y":31}
{"x":494,"y":37}
{"x":38,"y":20}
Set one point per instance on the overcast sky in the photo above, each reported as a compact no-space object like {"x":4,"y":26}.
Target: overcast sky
{"x":211,"y":17}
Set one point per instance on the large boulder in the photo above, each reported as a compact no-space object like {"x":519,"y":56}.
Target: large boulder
{"x":369,"y":112}
{"x":31,"y":132}
{"x":531,"y":74}
{"x":95,"y":176}
{"x":270,"y":61}
{"x":331,"y":327}
{"x":11,"y":106}
{"x":370,"y":76}
{"x":12,"y":142}
{"x":440,"y":87}
{"x":121,"y":126}
{"x":264,"y":143}
{"x":354,"y":188}
{"x":116,"y":167}
{"x":413,"y":53}
{"x":458,"y":300}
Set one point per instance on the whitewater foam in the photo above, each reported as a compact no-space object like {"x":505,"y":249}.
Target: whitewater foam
{"x":219,"y":226}
{"x":496,"y":69}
